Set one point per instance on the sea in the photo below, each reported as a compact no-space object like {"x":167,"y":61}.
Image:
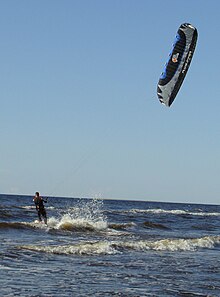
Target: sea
{"x":98,"y":247}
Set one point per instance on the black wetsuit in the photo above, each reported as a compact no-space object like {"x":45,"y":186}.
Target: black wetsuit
{"x":39,"y":202}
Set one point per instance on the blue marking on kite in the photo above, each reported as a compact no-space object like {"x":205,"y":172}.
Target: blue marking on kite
{"x":164,"y":73}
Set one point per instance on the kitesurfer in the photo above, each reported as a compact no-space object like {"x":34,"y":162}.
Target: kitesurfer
{"x":39,"y":202}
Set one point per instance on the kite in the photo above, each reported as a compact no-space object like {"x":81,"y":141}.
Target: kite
{"x":178,"y":64}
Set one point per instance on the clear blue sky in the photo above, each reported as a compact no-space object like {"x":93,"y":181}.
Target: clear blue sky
{"x":79,"y":114}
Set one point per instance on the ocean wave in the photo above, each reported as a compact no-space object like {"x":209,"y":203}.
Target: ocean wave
{"x":85,"y":216}
{"x":14,"y":225}
{"x":115,"y":247}
{"x":23,"y":225}
{"x":121,"y":226}
{"x":172,"y":211}
{"x":173,"y":245}
{"x":154,"y":225}
{"x":68,"y":223}
{"x":65,"y":223}
{"x":88,"y":248}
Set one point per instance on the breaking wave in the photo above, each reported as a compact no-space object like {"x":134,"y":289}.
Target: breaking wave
{"x":69,"y":223}
{"x":115,"y":247}
{"x":173,"y":211}
{"x":86,"y":216}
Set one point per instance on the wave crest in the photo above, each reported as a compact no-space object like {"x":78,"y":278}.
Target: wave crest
{"x":115,"y":247}
{"x":85,"y":216}
{"x":69,"y":223}
{"x":173,"y":211}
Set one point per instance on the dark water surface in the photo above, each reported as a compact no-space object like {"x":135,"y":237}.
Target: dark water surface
{"x":109,"y":248}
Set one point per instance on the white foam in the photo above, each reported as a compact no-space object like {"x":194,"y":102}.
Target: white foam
{"x":28,"y":207}
{"x":88,"y":248}
{"x":174,"y":211}
{"x":67,"y":222}
{"x":115,"y":247}
{"x":34,"y":207}
{"x":36,"y":224}
{"x":174,"y":244}
{"x":87,"y":215}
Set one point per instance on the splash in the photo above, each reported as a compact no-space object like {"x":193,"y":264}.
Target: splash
{"x":87,"y":215}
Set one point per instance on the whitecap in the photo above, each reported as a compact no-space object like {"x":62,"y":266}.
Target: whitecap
{"x":173,"y":211}
{"x":115,"y":247}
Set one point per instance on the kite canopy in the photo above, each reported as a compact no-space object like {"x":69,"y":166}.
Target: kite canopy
{"x":177,"y":66}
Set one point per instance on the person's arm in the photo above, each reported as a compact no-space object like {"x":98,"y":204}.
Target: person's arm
{"x":44,"y":200}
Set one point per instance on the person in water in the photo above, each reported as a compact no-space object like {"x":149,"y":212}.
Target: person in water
{"x":39,"y":202}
